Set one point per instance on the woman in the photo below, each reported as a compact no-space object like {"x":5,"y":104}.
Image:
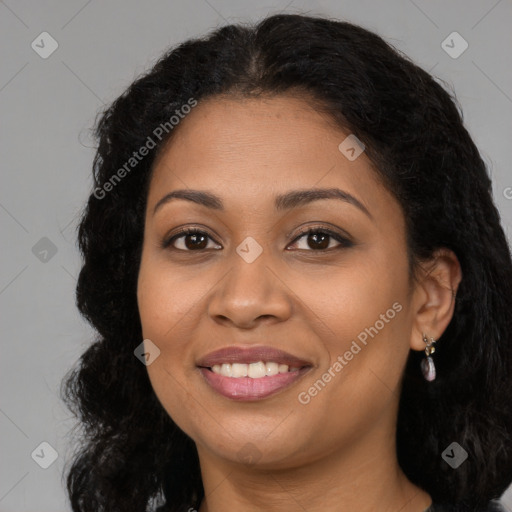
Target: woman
{"x":287,"y":221}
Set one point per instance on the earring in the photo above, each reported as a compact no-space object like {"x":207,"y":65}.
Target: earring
{"x":427,"y":365}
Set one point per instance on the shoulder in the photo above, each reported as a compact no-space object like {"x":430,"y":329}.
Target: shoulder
{"x":492,"y":506}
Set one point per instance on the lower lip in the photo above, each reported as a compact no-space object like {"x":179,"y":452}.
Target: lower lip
{"x":246,"y":388}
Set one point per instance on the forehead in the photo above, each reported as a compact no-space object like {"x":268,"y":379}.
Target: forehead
{"x":225,"y":131}
{"x":249,"y":150}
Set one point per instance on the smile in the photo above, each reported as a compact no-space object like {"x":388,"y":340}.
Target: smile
{"x":251,"y":373}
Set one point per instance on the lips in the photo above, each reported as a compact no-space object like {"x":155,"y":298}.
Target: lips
{"x":245,"y":388}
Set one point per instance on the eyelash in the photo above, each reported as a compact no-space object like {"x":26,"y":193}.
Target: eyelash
{"x":344,"y":242}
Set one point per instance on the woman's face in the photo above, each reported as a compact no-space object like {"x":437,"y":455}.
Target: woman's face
{"x":253,"y":280}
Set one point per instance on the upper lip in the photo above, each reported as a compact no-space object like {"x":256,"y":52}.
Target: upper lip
{"x":246,"y":355}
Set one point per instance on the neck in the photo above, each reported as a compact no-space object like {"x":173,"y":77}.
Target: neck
{"x":359,"y":477}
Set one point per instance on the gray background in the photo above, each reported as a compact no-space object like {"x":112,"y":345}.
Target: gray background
{"x":47,"y":107}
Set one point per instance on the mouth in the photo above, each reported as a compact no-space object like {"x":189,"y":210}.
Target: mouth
{"x":253,"y":373}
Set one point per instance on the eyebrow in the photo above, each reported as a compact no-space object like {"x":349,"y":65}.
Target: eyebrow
{"x":283,"y":202}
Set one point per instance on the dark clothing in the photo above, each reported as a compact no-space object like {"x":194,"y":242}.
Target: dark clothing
{"x":492,"y":506}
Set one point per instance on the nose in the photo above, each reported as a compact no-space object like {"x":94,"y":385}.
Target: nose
{"x":250,"y":293}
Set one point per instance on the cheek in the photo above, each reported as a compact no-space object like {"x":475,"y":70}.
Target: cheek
{"x":365,"y":311}
{"x":164,"y":299}
{"x":164,"y":320}
{"x":352,"y":297}
{"x":367,"y":353}
{"x":160,"y":315}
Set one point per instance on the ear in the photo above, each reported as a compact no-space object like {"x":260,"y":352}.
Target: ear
{"x":434,"y":296}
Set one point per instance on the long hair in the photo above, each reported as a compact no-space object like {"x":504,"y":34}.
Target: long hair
{"x":131,"y":455}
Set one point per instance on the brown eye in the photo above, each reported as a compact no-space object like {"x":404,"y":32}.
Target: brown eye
{"x":319,"y":240}
{"x":190,"y":240}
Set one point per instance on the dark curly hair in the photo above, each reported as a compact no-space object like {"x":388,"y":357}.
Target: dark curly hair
{"x":131,"y":455}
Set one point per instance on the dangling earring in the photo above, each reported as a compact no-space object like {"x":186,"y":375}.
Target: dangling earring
{"x":427,"y":365}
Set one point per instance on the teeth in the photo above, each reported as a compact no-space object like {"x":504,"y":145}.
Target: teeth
{"x":256,"y":370}
{"x":271,"y":369}
{"x":253,"y":370}
{"x":239,"y":370}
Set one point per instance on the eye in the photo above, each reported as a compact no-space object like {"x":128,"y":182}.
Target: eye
{"x":319,"y":239}
{"x":193,"y":239}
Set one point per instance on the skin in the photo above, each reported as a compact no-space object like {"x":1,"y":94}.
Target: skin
{"x":337,"y":452}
